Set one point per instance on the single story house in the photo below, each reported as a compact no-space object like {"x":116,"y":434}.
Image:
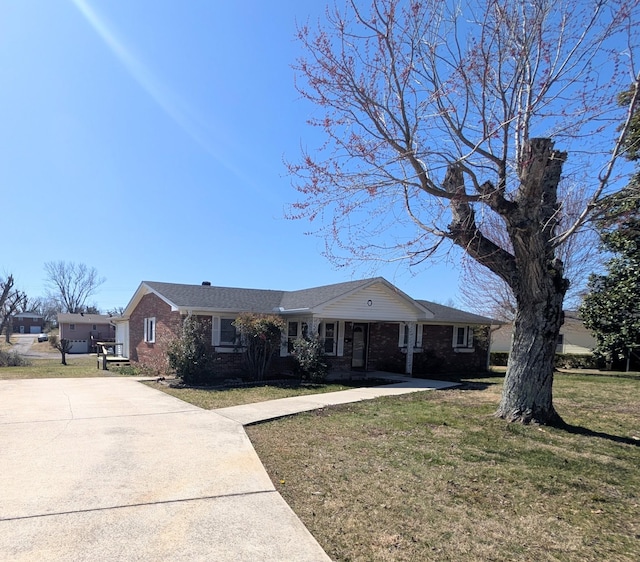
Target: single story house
{"x":27,"y":323}
{"x":84,"y":330}
{"x":365,"y":325}
{"x":574,"y":338}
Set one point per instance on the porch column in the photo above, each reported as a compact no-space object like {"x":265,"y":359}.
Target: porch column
{"x":411,"y":341}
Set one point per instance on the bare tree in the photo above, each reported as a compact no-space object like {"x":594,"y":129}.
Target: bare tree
{"x":11,"y":301}
{"x":71,"y":284}
{"x":63,"y":346}
{"x":484,"y":292}
{"x":441,"y":120}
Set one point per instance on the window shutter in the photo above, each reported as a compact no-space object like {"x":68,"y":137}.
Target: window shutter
{"x":146,"y":335}
{"x":419,"y":335}
{"x":215,"y":330}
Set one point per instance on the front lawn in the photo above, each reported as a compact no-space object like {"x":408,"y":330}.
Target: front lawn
{"x":79,"y":366}
{"x":434,"y":476}
{"x":212,"y":398}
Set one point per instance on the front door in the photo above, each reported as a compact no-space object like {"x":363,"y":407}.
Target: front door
{"x":359,"y":355}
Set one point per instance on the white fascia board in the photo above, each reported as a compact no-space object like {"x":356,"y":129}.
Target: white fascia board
{"x":142,"y":290}
{"x":423,"y":313}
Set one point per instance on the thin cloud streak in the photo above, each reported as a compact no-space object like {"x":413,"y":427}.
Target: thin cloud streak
{"x":162,"y":96}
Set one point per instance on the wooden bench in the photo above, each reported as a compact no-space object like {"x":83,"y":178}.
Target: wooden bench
{"x":110,"y":353}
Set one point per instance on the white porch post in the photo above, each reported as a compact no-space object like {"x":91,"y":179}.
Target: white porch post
{"x":411,"y":342}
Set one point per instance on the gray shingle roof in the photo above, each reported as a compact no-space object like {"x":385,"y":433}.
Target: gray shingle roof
{"x":83,"y":318}
{"x":448,"y":314}
{"x":207,"y":297}
{"x":221,"y":298}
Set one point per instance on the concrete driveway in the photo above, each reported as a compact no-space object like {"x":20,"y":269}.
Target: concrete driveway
{"x":109,"y":469}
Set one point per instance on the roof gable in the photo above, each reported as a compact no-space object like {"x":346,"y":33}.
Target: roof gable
{"x":365,"y":299}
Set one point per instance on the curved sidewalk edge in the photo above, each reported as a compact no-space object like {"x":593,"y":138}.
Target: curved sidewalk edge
{"x":272,"y":409}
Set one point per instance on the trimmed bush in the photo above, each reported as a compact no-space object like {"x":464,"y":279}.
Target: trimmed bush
{"x":563,"y":360}
{"x":191,"y":355}
{"x":260,"y":336}
{"x":499,"y":358}
{"x":311,"y":363}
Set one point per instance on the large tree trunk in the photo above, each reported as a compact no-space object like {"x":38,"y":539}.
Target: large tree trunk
{"x":531,"y":270}
{"x":527,"y":393}
{"x":539,"y":286}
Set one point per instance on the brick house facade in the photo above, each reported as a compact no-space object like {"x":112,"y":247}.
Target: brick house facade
{"x":27,"y":323}
{"x":365,"y":325}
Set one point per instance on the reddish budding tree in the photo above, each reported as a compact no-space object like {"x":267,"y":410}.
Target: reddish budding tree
{"x":443,"y":122}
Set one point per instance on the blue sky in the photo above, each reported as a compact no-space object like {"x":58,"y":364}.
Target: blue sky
{"x":147,"y":139}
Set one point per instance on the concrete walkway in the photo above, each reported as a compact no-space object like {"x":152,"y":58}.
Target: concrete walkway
{"x":110,"y":469}
{"x":262,"y":411}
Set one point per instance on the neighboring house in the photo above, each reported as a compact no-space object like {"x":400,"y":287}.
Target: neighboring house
{"x":84,"y":330}
{"x":574,"y":338}
{"x":365,"y":325}
{"x":28,"y":323}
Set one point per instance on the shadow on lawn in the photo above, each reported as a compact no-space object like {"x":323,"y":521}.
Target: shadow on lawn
{"x":579,"y":430}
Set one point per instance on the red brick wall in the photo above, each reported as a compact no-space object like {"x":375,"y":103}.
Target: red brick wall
{"x":437,"y":344}
{"x":168,"y":325}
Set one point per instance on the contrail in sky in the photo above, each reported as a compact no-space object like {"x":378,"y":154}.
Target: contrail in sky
{"x":166,"y":99}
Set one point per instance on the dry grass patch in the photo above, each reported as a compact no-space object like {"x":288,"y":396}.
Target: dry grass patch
{"x":76,"y":367}
{"x":434,"y":476}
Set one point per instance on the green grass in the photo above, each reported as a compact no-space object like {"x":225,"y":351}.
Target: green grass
{"x":434,"y":476}
{"x":220,"y":398}
{"x":52,"y":368}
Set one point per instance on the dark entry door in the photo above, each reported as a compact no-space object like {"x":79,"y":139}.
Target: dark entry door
{"x":359,"y":355}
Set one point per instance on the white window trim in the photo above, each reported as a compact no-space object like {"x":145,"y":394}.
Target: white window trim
{"x":417,"y":345}
{"x":284,"y":344}
{"x":468,"y":345}
{"x":216,"y":336}
{"x":322,"y":335}
{"x":150,"y":330}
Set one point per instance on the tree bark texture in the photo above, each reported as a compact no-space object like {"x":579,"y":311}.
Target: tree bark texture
{"x":532,"y":271}
{"x":539,"y":286}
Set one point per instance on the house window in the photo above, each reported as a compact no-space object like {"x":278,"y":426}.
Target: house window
{"x":462,"y":337}
{"x":228,"y":335}
{"x":94,"y":327}
{"x":560,"y":344}
{"x":295,"y":330}
{"x":404,"y":336}
{"x":150,"y":330}
{"x":327,"y":333}
{"x":72,"y":327}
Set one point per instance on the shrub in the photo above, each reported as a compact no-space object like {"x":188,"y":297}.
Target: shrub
{"x":260,"y":335}
{"x":499,"y":358}
{"x":191,"y":355}
{"x":574,"y":361}
{"x":13,"y":359}
{"x":311,"y":363}
{"x":563,"y":360}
